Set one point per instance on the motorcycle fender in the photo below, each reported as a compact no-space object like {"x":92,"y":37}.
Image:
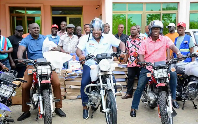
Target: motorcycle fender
{"x":45,"y":82}
{"x":160,"y":85}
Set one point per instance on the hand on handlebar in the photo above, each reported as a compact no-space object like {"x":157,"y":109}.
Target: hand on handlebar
{"x":82,"y":59}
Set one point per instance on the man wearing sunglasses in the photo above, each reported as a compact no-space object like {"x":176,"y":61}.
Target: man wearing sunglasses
{"x":172,"y":35}
{"x":15,"y":40}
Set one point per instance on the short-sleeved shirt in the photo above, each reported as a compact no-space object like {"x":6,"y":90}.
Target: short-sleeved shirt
{"x":105,"y":45}
{"x":15,"y":41}
{"x":155,"y":51}
{"x":180,"y":40}
{"x":132,"y":46}
{"x":9,"y":45}
{"x":33,"y":46}
{"x":55,"y":39}
{"x":69,"y":44}
{"x":59,"y":33}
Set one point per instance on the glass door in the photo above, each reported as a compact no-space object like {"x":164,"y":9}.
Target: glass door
{"x":76,"y":21}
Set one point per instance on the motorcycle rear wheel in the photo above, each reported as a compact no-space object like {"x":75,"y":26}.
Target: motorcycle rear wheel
{"x":47,"y":107}
{"x":111,"y":116}
{"x":162,"y":102}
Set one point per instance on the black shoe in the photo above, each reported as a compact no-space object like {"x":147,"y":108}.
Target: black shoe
{"x":59,"y":112}
{"x":24,"y":116}
{"x":175,"y":104}
{"x":85,"y":114}
{"x":133,"y":113}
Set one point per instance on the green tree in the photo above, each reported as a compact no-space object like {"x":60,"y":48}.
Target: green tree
{"x":121,"y":19}
{"x":193,"y":25}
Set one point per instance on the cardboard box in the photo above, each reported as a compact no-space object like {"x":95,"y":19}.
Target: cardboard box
{"x":17,"y":99}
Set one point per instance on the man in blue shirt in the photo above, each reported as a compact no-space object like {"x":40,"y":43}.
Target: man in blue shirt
{"x":33,"y":45}
{"x":53,"y":37}
{"x":6,"y":47}
{"x":95,"y":43}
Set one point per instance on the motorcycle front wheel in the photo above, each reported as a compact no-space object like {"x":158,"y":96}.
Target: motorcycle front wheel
{"x":162,"y":102}
{"x":111,"y":116}
{"x":47,"y":107}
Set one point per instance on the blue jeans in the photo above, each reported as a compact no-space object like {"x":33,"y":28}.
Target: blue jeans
{"x":143,"y":80}
{"x":85,"y":81}
{"x":6,"y":63}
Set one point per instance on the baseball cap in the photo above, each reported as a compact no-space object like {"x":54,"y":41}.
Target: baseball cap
{"x":70,"y":26}
{"x":171,"y":24}
{"x":181,"y":24}
{"x":19,"y":28}
{"x":54,"y":26}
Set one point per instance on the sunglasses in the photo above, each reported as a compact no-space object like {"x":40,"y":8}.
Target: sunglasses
{"x":20,"y":30}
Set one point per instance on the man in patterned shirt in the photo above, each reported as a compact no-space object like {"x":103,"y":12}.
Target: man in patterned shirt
{"x":132,"y":46}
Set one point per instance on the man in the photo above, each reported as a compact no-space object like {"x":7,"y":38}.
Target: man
{"x":153,"y":49}
{"x":79,"y":31}
{"x":6,"y":48}
{"x":33,"y":45}
{"x":53,"y":37}
{"x":132,"y":46}
{"x":87,"y":29}
{"x":68,"y":42}
{"x":141,"y":35}
{"x":121,"y":36}
{"x":184,"y":42}
{"x":92,"y":45}
{"x":25,"y":35}
{"x":15,"y":41}
{"x":63,"y":29}
{"x":146,"y":30}
{"x":172,"y":35}
{"x":106,"y":28}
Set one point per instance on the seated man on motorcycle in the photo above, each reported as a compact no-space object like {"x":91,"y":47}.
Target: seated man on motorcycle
{"x":153,"y":49}
{"x":33,"y":45}
{"x":95,"y":43}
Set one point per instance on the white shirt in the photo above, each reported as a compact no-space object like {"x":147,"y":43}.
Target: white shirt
{"x":93,"y":47}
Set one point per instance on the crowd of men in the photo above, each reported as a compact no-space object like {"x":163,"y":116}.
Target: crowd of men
{"x":22,"y":46}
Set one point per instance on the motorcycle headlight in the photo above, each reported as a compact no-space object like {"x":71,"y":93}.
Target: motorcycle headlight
{"x":104,"y":65}
{"x":44,"y":69}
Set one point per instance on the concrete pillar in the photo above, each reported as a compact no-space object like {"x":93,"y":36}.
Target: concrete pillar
{"x":108,"y":13}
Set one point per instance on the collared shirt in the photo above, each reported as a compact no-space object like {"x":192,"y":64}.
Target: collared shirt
{"x":59,"y":33}
{"x":105,"y":45}
{"x":9,"y":45}
{"x":33,"y":46}
{"x":69,"y":44}
{"x":55,"y":39}
{"x":123,"y":38}
{"x":132,"y":46}
{"x":155,"y":51}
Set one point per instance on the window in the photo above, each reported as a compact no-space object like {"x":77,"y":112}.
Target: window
{"x":193,"y":15}
{"x":142,"y":14}
{"x":24,"y":16}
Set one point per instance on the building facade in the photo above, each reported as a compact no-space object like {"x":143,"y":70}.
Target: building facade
{"x":80,"y":12}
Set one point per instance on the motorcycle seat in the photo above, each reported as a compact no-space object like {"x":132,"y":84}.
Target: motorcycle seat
{"x":41,"y":60}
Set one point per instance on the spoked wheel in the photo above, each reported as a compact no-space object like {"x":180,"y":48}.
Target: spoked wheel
{"x":47,"y":107}
{"x":111,"y":115}
{"x":162,"y":102}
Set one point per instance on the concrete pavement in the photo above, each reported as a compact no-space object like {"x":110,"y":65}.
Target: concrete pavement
{"x":145,"y":115}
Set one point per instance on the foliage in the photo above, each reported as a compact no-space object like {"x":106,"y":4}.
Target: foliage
{"x":193,"y":24}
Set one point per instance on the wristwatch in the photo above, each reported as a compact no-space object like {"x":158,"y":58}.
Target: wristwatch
{"x":123,"y":52}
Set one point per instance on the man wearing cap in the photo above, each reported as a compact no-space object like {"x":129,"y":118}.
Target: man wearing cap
{"x":68,"y":42}
{"x":184,"y":42}
{"x":63,"y":29}
{"x":172,"y":35}
{"x":53,"y":36}
{"x":15,"y":41}
{"x":6,"y":47}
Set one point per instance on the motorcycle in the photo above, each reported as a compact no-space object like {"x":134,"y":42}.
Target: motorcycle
{"x":7,"y":90}
{"x":41,"y":93}
{"x":187,"y":81}
{"x":101,"y":91}
{"x":157,"y":92}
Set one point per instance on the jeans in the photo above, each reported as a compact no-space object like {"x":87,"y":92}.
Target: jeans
{"x":143,"y":80}
{"x":20,"y":71}
{"x":132,"y":72}
{"x":6,"y":63}
{"x":85,"y":81}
